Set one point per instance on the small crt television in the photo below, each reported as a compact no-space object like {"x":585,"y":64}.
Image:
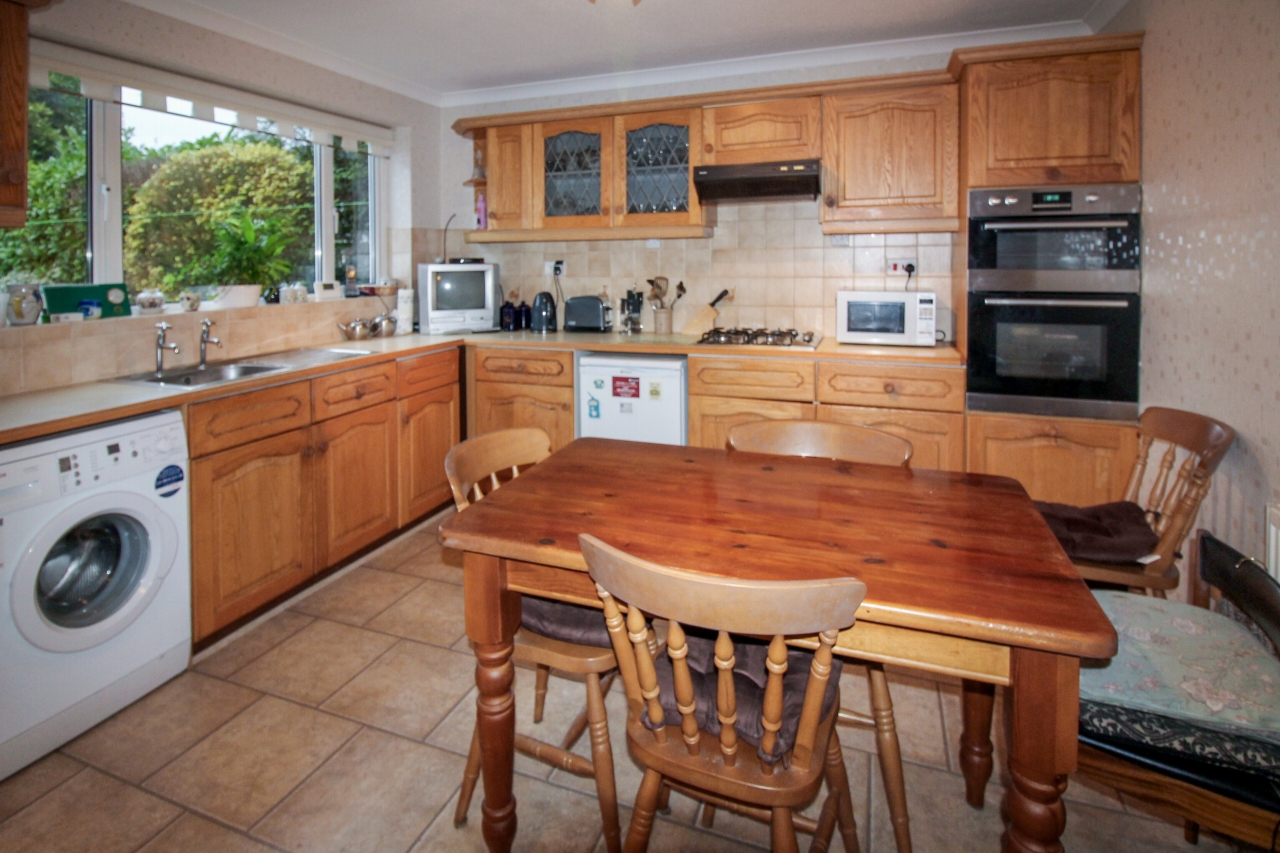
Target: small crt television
{"x":457,"y":298}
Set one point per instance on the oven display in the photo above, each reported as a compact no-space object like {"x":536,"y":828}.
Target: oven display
{"x":877,"y":317}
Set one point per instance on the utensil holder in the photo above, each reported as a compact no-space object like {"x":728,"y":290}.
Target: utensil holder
{"x":662,"y":321}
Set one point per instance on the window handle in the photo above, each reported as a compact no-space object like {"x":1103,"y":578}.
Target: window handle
{"x":335,"y":220}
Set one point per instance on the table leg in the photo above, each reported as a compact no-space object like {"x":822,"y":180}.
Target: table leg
{"x":1044,"y":706}
{"x":978,"y":702}
{"x":492,"y":616}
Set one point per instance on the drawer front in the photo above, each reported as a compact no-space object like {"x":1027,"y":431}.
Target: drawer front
{"x":526,"y":366}
{"x":352,"y":390}
{"x":752,"y":378}
{"x":415,"y":375}
{"x":231,"y":421}
{"x":937,"y":389}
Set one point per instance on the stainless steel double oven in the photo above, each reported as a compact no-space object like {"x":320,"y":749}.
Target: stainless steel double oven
{"x":1054,"y":308}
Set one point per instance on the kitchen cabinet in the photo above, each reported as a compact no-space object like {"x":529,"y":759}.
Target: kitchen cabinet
{"x":241,"y":418}
{"x":762,"y":132}
{"x":252,"y":527}
{"x":711,"y":418}
{"x":897,"y":386}
{"x":573,"y":173}
{"x":937,"y":438}
{"x":356,"y":483}
{"x":503,"y":405}
{"x":891,"y":160}
{"x":13,"y":110}
{"x":509,"y":166}
{"x":755,"y":378}
{"x":1053,"y":120}
{"x":351,"y":390}
{"x":528,"y":366}
{"x":430,"y":424}
{"x":1073,"y":461}
{"x":653,"y":159}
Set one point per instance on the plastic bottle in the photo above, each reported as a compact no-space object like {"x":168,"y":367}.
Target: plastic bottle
{"x":482,"y":212}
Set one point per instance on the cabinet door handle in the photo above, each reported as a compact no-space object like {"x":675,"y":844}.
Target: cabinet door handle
{"x":324,"y":447}
{"x":890,"y":388}
{"x":830,"y":200}
{"x":308,"y":452}
{"x":708,"y":148}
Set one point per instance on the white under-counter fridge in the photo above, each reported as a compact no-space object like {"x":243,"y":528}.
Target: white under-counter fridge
{"x":631,"y":397}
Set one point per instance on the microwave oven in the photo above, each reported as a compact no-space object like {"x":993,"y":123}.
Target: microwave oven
{"x":458,"y":298}
{"x":906,"y":318}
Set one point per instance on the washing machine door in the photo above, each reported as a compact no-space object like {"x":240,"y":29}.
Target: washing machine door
{"x":91,"y":571}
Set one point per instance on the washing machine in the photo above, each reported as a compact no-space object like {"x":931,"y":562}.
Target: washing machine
{"x":95,"y":578}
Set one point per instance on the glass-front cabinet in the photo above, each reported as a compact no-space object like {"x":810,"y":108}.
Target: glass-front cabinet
{"x":573,"y":174}
{"x":655,"y":153}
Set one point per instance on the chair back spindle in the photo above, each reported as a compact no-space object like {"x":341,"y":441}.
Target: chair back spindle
{"x":726,"y":700}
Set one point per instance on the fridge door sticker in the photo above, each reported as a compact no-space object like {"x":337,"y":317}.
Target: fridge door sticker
{"x":655,"y":390}
{"x":599,"y":383}
{"x":593,"y":406}
{"x":626,"y":386}
{"x":624,"y":408}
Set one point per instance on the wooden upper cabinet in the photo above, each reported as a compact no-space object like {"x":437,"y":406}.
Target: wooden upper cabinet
{"x":573,"y":173}
{"x":13,"y":115}
{"x":762,"y":132}
{"x":891,"y":160}
{"x":509,"y":166}
{"x":1053,"y":120}
{"x":653,"y":159}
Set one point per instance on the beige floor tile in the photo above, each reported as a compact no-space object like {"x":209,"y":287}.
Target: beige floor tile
{"x":90,"y":813}
{"x":437,"y":563}
{"x":192,"y":834}
{"x":1085,"y":791}
{"x":378,"y":793}
{"x":1093,"y":830}
{"x":941,"y":820}
{"x":408,"y":545}
{"x":916,"y":711}
{"x":312,"y":664}
{"x":240,"y":771}
{"x":432,"y":613}
{"x":253,"y":644}
{"x":357,"y":596}
{"x":408,"y":690}
{"x":34,"y":781}
{"x":565,"y":698}
{"x":158,"y":728}
{"x":669,"y":836}
{"x":550,"y":819}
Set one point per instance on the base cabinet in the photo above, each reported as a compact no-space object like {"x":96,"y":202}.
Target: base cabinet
{"x":428,"y":430}
{"x":253,"y":530}
{"x":503,"y":405}
{"x":1076,"y":462}
{"x":356,"y":481}
{"x":711,"y":418}
{"x":937,"y":438}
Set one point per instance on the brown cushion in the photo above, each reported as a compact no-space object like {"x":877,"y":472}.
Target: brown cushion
{"x":571,"y":623}
{"x":1107,"y":533}
{"x":748,"y":694}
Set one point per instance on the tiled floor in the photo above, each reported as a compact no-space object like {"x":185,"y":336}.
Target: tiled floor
{"x":341,"y":724}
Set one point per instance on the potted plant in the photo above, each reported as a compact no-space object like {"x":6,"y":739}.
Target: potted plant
{"x":249,"y":256}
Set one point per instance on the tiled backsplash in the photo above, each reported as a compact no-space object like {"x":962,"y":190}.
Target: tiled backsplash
{"x":37,"y":357}
{"x":773,"y":256}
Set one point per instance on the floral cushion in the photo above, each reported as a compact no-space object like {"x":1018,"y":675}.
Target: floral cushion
{"x":1188,"y":664}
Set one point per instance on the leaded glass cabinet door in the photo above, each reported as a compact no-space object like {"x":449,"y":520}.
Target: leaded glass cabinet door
{"x":573,"y":174}
{"x":655,"y":153}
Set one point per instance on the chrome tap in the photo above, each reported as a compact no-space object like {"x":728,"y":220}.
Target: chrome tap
{"x":161,"y":346}
{"x":205,"y":340}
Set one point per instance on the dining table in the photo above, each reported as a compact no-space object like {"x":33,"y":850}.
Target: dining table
{"x":963,"y":578}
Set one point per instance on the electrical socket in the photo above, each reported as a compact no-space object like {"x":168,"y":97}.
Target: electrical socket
{"x":898,"y":265}
{"x":553,"y":268}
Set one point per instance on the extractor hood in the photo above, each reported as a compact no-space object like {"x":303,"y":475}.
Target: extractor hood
{"x":788,"y":179}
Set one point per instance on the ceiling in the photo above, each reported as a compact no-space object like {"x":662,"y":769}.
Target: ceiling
{"x":457,"y":53}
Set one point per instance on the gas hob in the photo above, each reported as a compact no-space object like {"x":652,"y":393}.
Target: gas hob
{"x":762,"y":338}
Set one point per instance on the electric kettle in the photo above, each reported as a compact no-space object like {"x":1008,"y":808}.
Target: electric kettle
{"x":544,"y":313}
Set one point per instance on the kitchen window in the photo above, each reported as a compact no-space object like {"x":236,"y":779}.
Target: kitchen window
{"x":146,"y":177}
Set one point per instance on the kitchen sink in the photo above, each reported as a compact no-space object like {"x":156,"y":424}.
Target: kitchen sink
{"x":194,"y":376}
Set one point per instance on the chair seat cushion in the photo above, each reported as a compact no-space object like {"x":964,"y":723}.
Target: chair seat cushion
{"x":571,"y":623}
{"x":1107,"y":533}
{"x":1194,"y":670}
{"x":748,"y":686}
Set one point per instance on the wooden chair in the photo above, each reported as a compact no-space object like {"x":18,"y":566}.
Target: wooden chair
{"x":847,"y":443}
{"x":1170,"y":507}
{"x":1209,"y":778}
{"x":475,"y":468}
{"x":686,"y":721}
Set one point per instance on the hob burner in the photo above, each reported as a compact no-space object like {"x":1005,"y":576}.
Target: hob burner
{"x":762,"y":337}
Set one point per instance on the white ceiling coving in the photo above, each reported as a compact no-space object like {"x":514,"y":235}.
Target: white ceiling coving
{"x":453,"y":54}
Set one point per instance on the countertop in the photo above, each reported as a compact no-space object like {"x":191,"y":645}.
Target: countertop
{"x":40,"y":413}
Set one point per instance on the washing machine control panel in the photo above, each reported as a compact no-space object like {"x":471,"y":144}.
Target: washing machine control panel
{"x":89,"y":466}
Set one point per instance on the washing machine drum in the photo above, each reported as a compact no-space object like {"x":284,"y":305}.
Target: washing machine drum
{"x":91,"y":571}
